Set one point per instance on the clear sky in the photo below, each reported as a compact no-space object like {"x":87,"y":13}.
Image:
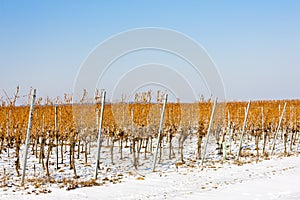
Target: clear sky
{"x":255,"y":44}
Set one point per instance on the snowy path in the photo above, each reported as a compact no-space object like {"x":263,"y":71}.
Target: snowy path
{"x":273,"y":179}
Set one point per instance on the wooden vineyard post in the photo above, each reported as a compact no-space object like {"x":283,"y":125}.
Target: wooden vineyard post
{"x":243,"y":131}
{"x":229,"y":131}
{"x":99,"y":135}
{"x":132,"y":148}
{"x":209,"y":129}
{"x":159,"y":131}
{"x":278,"y":127}
{"x":8,"y":124}
{"x":56,"y":134}
{"x":28,"y":134}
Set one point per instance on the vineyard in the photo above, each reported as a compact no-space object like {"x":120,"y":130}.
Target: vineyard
{"x":64,"y":138}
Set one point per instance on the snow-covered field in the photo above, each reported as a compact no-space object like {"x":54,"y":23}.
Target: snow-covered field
{"x":271,"y":179}
{"x":274,"y":178}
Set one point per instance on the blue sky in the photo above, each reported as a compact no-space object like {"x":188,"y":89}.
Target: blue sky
{"x":255,"y":44}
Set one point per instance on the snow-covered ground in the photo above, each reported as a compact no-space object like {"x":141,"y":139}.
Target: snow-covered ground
{"x":273,"y":178}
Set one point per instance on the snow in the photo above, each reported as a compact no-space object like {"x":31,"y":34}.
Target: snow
{"x":272,"y":178}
